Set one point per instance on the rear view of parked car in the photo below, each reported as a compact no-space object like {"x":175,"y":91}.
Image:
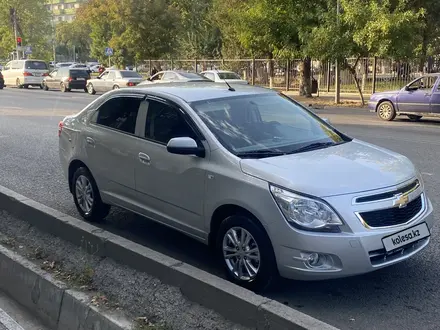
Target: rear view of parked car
{"x":25,"y":73}
{"x":66,"y":79}
{"x":113,"y":79}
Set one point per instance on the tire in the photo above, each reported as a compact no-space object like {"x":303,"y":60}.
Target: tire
{"x":44,"y":87}
{"x":18,"y":83}
{"x":414,"y":117}
{"x":85,"y":90}
{"x":115,"y":87}
{"x":265,"y":266}
{"x":386,"y":111}
{"x":90,"y":89}
{"x":63,"y":88}
{"x":83,"y":183}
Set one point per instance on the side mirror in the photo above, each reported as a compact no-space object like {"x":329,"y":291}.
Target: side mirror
{"x":185,"y":146}
{"x":406,"y":88}
{"x":326,"y":120}
{"x":98,"y":77}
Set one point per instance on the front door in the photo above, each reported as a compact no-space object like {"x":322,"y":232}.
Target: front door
{"x":99,"y":84}
{"x":417,"y":96}
{"x":170,"y":186}
{"x":435,"y":98}
{"x":109,"y":142}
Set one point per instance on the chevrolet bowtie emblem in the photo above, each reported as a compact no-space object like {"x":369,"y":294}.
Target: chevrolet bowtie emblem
{"x":401,"y":200}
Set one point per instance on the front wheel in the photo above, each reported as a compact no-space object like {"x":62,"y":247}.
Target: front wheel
{"x":386,"y":111}
{"x":87,"y":197}
{"x":115,"y":87}
{"x":44,"y":86}
{"x":246,"y":253}
{"x":414,"y":117}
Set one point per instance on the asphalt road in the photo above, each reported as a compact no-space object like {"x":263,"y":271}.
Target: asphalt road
{"x":404,"y":296}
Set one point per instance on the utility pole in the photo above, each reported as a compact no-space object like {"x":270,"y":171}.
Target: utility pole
{"x":337,"y":64}
{"x":14,"y":19}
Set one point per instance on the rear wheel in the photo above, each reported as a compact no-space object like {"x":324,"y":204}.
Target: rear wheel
{"x":64,"y":89}
{"x":414,"y":117}
{"x":87,"y":197}
{"x":246,"y":253}
{"x":386,"y":111}
{"x":90,"y":89}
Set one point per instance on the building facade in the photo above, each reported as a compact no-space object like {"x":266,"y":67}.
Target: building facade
{"x":63,"y":10}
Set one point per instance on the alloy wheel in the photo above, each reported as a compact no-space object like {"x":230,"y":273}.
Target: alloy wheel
{"x":241,"y":254}
{"x":84,"y":194}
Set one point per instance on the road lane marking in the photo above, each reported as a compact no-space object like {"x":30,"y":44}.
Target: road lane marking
{"x":8,"y":321}
{"x":428,"y":174}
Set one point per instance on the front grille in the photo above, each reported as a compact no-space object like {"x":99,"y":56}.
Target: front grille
{"x":388,"y":194}
{"x":393,"y":216}
{"x":380,"y":257}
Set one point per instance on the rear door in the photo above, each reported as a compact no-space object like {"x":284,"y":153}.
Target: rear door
{"x":110,"y":81}
{"x":110,"y":141}
{"x":435,"y":97}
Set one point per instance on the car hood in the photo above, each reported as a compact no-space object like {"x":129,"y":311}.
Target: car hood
{"x":348,"y":168}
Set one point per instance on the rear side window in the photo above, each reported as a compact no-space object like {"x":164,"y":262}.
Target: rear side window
{"x":35,"y":65}
{"x":120,"y":113}
{"x":79,"y":74}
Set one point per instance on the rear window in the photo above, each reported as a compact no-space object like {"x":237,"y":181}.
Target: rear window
{"x":79,"y":73}
{"x":35,"y":65}
{"x":228,"y":75}
{"x":130,"y":74}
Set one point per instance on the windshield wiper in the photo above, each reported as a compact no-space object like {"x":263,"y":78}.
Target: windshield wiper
{"x":260,"y":153}
{"x":314,"y":146}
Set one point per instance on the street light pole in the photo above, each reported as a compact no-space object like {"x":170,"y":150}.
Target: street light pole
{"x":337,"y":64}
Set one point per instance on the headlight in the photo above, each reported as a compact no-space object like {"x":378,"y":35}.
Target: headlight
{"x":305,"y":212}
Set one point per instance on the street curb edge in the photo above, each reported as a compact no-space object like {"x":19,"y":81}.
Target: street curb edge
{"x":231,"y":301}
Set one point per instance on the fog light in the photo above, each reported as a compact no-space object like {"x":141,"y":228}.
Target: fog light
{"x":317,"y":260}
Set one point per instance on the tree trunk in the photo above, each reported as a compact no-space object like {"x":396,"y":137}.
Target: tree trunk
{"x":305,"y":75}
{"x":352,"y":70}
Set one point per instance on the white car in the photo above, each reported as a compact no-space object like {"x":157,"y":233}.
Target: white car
{"x":221,"y":76}
{"x":25,"y":73}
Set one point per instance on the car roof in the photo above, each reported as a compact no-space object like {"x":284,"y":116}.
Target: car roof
{"x":200,"y":91}
{"x":219,"y":71}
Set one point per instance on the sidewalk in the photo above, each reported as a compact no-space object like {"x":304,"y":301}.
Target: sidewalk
{"x":351,"y":100}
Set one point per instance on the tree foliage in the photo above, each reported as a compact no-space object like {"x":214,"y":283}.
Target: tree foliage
{"x":34,"y":27}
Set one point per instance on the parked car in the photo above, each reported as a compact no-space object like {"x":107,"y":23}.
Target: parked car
{"x":2,"y":81}
{"x":174,"y":76}
{"x":421,"y":97}
{"x":25,"y":73}
{"x":222,"y":76}
{"x":113,"y":79}
{"x":66,"y":79}
{"x":273,"y":187}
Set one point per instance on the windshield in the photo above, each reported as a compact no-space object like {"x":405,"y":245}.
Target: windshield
{"x":228,"y":75}
{"x":265,"y":125}
{"x":130,"y":74}
{"x":36,"y":65}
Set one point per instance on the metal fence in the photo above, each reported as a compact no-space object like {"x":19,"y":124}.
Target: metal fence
{"x":373,"y":74}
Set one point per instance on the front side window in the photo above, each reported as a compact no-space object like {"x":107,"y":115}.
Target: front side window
{"x":104,"y":75}
{"x":265,"y":125}
{"x":111,"y":75}
{"x":54,"y":73}
{"x":423,"y":83}
{"x":119,"y":113}
{"x":165,"y":123}
{"x":157,"y":76}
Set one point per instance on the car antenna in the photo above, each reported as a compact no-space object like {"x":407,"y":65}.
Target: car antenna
{"x":229,"y":86}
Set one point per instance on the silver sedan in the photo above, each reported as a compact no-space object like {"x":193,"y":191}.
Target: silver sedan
{"x":113,"y":79}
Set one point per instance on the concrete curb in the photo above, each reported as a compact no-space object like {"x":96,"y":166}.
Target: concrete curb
{"x":51,"y":300}
{"x":233,"y":302}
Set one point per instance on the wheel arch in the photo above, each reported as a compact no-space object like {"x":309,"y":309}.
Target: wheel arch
{"x":385,"y":100}
{"x":227,"y":210}
{"x":73,"y":167}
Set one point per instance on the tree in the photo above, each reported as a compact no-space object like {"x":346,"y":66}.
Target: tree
{"x":365,"y":28}
{"x":33,"y":22}
{"x":74,"y":35}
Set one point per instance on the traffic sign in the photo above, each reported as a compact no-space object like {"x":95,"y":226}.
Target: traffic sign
{"x":109,"y":51}
{"x":28,"y":50}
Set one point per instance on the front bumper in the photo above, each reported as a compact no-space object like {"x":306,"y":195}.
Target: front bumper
{"x":372,"y":106}
{"x":350,"y":253}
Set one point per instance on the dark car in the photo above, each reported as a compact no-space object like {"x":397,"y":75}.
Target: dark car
{"x":2,"y":81}
{"x":67,"y":79}
{"x":421,"y":97}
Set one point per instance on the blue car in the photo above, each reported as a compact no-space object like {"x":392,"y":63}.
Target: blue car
{"x":419,"y":98}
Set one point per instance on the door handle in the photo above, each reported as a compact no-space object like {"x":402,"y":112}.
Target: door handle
{"x":90,"y":141}
{"x":144,"y":158}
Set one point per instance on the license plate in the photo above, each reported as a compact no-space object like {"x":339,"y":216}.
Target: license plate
{"x":80,"y":78}
{"x":406,"y":237}
{"x":37,"y":74}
